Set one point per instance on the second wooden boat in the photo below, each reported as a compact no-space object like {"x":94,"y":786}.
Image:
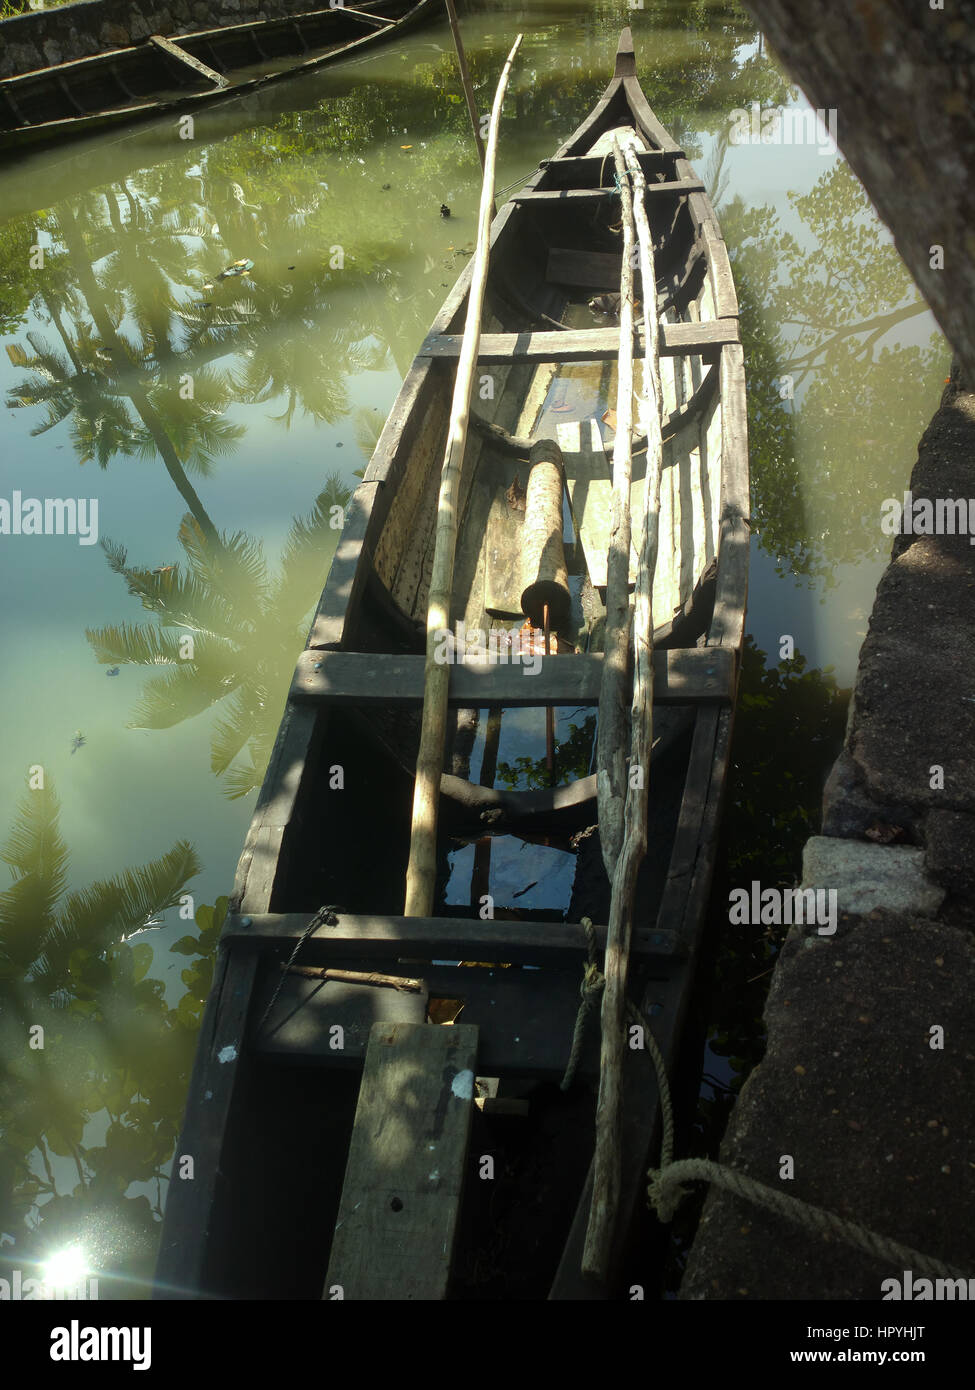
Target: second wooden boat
{"x":376,"y":1108}
{"x":189,"y":72}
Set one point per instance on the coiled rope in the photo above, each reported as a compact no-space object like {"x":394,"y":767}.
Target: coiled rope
{"x":667,"y":1186}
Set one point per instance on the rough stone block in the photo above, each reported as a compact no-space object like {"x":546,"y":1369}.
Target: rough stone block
{"x":876,"y":1120}
{"x":950,"y":852}
{"x":115,"y":36}
{"x":849,"y":810}
{"x":868,"y":876}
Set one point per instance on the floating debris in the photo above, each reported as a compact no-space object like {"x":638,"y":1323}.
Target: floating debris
{"x":241,"y":267}
{"x":113,"y":671}
{"x":78,"y":741}
{"x":444,"y":210}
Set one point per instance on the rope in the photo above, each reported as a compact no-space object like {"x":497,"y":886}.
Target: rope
{"x":591,"y":987}
{"x":667,"y":1189}
{"x":324,"y":917}
{"x":667,"y":1184}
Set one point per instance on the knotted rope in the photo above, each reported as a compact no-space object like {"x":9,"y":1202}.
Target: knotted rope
{"x":589,"y":991}
{"x":667,"y":1185}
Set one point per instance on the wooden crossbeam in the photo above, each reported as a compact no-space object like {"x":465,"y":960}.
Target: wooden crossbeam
{"x":398,"y":1215}
{"x":377,"y":20}
{"x":446,"y":938}
{"x":587,"y":345}
{"x":173,"y":50}
{"x":357,"y":678}
{"x":589,"y":166}
{"x":602,"y":195}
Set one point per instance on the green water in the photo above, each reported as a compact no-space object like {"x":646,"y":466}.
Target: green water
{"x":217,"y":421}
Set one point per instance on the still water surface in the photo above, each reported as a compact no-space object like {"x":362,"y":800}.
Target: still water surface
{"x":192,"y":404}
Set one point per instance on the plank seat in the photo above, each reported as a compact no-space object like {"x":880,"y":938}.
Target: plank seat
{"x":587,"y":345}
{"x":602,"y":195}
{"x":447,"y":938}
{"x":681,"y":676}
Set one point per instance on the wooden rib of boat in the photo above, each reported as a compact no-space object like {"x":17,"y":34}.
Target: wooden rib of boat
{"x":295,"y":1188}
{"x":189,"y":71}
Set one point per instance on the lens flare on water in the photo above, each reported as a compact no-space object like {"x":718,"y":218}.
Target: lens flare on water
{"x":67,"y":1267}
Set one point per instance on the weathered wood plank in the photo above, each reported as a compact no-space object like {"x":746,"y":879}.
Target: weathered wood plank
{"x":355,"y":678}
{"x":448,"y":938}
{"x":728,"y":623}
{"x":719,"y":273}
{"x":351,"y":563}
{"x":181,"y":1268}
{"x":377,"y":20}
{"x":587,"y":345}
{"x":502,"y":541}
{"x":397,"y":1219}
{"x":173,"y":50}
{"x":674,"y":187}
{"x":525,"y":1017}
{"x":598,"y":270}
{"x":587,"y":168}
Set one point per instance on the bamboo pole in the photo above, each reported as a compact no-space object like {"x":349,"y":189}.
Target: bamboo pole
{"x":606,"y":1175}
{"x":465,"y":78}
{"x":421,"y":871}
{"x":610,"y":750}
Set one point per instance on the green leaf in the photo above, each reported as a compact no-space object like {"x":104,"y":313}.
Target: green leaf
{"x":186,"y":946}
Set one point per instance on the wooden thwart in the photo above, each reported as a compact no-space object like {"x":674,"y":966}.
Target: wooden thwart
{"x":397,"y":1218}
{"x":446,"y":938}
{"x":585,"y":168}
{"x":587,"y":345}
{"x":358,"y":678}
{"x":602,"y":195}
{"x":173,"y":50}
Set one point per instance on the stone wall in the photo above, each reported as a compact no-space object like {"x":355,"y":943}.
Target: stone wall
{"x":867,"y":1080}
{"x":46,"y":37}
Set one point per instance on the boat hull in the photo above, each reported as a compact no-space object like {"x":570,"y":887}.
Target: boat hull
{"x":130,"y":85}
{"x":272,"y":1099}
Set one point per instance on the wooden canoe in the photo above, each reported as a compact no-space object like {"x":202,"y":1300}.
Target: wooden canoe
{"x":188,"y":72}
{"x":273,"y":1098}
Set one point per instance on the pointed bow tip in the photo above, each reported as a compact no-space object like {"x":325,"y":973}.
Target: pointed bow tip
{"x":625,"y":57}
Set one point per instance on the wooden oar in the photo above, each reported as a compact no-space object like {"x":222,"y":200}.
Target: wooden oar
{"x":421,"y":871}
{"x":610,"y":748}
{"x":606,"y":1168}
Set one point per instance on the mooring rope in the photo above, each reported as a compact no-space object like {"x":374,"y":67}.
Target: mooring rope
{"x":589,"y":990}
{"x":667,"y":1184}
{"x":324,"y":917}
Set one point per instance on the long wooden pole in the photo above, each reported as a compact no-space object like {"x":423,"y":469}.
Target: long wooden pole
{"x":421,"y":871}
{"x":606,"y":1174}
{"x":465,"y":78}
{"x":610,"y":749}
